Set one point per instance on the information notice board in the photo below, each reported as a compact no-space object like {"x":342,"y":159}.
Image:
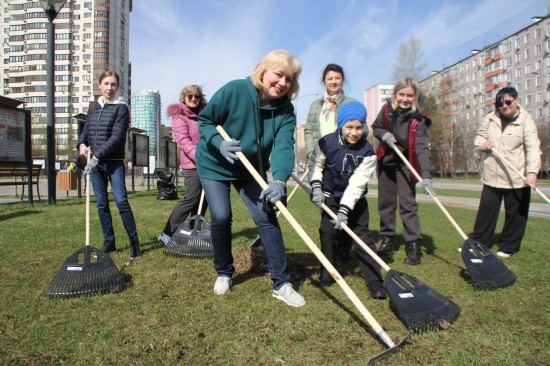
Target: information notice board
{"x":14,"y":135}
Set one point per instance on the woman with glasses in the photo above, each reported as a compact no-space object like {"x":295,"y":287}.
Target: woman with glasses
{"x":512,"y":133}
{"x":258,"y":114}
{"x":185,"y":128}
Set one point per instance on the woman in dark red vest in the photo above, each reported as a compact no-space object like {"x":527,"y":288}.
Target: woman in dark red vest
{"x":401,"y":125}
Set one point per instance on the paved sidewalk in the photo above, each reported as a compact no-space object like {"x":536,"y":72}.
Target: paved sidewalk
{"x":7,"y":194}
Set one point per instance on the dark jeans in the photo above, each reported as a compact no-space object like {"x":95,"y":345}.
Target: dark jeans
{"x":218,"y":196}
{"x":394,"y":183}
{"x":358,"y":221}
{"x":188,"y":204}
{"x":516,"y":208}
{"x":113,"y":171}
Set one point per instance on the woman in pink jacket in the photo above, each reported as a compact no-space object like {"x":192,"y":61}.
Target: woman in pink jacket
{"x":186,"y":131}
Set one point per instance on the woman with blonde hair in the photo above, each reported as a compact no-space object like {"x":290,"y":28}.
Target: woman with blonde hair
{"x":401,"y":125}
{"x":258,"y":114}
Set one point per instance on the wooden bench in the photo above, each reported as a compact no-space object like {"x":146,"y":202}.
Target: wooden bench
{"x":20,"y":174}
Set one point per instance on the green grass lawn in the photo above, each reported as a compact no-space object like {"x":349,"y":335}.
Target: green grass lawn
{"x":170,"y":316}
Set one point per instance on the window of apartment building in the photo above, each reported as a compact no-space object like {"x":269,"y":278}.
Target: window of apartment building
{"x":88,"y":14}
{"x":518,"y":72}
{"x":538,"y":97}
{"x":528,"y":99}
{"x":518,"y":57}
{"x":527,"y":52}
{"x":537,"y":33}
{"x":508,"y":61}
{"x":538,"y":113}
{"x":517,"y":42}
{"x":527,"y":69}
{"x":538,"y":65}
{"x":527,"y":37}
{"x":538,"y":49}
{"x":507,"y":47}
{"x":528,"y":84}
{"x":538,"y":80}
{"x":86,"y":98}
{"x":518,"y":87}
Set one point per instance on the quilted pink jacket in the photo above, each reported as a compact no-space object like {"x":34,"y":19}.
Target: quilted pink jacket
{"x":185,"y":128}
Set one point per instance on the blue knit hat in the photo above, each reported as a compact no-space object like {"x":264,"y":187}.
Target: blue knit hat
{"x":351,"y":111}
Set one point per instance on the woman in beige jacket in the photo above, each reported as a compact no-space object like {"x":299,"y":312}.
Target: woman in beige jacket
{"x":512,"y":133}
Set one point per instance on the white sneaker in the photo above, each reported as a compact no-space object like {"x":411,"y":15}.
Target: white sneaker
{"x":287,"y":294}
{"x":460,"y":249}
{"x":222,"y":285}
{"x":163,"y":238}
{"x":502,"y":254}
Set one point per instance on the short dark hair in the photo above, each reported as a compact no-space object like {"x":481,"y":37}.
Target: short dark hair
{"x":333,"y":67}
{"x":508,"y":90}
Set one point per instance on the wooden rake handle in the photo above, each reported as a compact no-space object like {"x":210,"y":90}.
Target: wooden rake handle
{"x":432,"y":194}
{"x":88,"y":200}
{"x":316,"y":251}
{"x":347,"y":229}
{"x":507,"y":163}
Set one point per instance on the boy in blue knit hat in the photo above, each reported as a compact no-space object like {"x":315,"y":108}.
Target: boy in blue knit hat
{"x":344,"y":165}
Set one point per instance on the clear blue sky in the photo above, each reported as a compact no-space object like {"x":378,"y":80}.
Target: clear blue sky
{"x":174,"y":43}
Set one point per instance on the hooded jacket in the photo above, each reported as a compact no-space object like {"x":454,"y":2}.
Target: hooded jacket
{"x":518,"y":144}
{"x":185,"y":128}
{"x":414,"y":145}
{"x":105,"y":130}
{"x":312,"y":132}
{"x":236,"y":106}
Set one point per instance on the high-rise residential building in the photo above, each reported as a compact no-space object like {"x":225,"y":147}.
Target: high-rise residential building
{"x":146,"y":113}
{"x":466,"y":90}
{"x":90,"y":37}
{"x":375,"y":97}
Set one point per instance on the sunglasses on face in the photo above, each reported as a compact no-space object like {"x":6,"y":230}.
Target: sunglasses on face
{"x":507,"y":102}
{"x":191,"y":97}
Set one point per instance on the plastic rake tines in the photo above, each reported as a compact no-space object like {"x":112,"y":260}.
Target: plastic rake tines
{"x":486,"y":271}
{"x":420,"y":307}
{"x":191,"y":239}
{"x":86,"y":272}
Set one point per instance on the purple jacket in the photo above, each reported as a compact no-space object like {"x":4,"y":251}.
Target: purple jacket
{"x":185,"y":128}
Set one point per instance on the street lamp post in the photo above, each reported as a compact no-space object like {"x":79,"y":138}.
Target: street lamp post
{"x":51,"y":8}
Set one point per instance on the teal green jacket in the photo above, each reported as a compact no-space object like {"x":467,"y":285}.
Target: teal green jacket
{"x":236,"y":106}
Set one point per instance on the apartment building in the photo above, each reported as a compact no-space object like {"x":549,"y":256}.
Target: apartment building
{"x":374,"y":99}
{"x":466,"y":90}
{"x":90,"y":37}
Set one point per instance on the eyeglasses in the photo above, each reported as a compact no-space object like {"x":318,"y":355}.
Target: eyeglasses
{"x":191,"y":97}
{"x":507,"y":102}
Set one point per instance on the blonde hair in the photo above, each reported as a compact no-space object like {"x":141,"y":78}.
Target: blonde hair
{"x":192,"y":89}
{"x":278,"y":59}
{"x":402,"y":84}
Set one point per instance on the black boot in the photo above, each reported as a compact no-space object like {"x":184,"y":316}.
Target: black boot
{"x":413,"y":253}
{"x":109,"y":246}
{"x":386,"y":247}
{"x":325,"y":279}
{"x":134,"y":249}
{"x":377,"y":290}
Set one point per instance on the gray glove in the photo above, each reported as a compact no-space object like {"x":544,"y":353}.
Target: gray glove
{"x":228,"y":148}
{"x":427,"y":185}
{"x":389,"y":139}
{"x":274,"y":191}
{"x":342,"y":218}
{"x":91,"y":165}
{"x":317,"y":197}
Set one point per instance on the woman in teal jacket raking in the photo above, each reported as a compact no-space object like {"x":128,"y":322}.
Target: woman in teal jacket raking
{"x":258,"y":115}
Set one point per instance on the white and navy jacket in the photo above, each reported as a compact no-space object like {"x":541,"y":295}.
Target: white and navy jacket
{"x":342,"y":170}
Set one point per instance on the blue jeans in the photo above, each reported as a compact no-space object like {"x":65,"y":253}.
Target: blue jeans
{"x":218,"y":196}
{"x":112,"y":170}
